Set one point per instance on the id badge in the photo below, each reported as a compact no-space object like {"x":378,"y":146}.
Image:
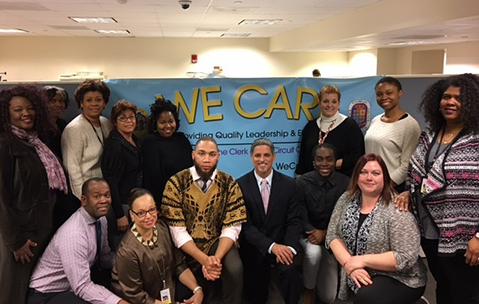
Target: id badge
{"x":423,"y":186}
{"x":165,"y":296}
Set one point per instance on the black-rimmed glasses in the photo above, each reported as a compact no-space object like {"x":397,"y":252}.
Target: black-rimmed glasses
{"x":143,"y":213}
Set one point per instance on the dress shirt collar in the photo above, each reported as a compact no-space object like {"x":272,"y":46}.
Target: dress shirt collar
{"x":90,"y":220}
{"x":197,"y":177}
{"x":331,"y":180}
{"x":269,"y":178}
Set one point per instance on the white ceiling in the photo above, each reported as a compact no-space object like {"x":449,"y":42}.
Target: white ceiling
{"x":306,"y":25}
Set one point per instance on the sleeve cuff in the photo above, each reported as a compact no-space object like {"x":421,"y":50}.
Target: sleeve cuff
{"x":308,"y":227}
{"x":113,"y":299}
{"x":231,"y":232}
{"x":180,"y":236}
{"x":271,"y":248}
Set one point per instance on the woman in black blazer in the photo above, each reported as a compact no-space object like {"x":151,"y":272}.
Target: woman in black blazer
{"x":121,"y":167}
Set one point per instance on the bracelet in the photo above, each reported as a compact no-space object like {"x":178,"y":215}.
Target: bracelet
{"x":197,"y":288}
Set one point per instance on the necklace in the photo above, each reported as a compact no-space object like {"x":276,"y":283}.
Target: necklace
{"x":151,"y":243}
{"x":447,"y":138}
{"x":321,"y":138}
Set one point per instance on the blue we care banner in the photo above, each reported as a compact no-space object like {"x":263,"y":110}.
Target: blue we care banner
{"x":236,"y":111}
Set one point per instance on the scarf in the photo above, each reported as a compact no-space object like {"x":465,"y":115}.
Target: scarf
{"x":356,"y":241}
{"x":324,"y":122}
{"x":55,"y":174}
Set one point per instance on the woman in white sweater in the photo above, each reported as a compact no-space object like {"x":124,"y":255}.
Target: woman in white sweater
{"x":84,"y":137}
{"x":394,"y":134}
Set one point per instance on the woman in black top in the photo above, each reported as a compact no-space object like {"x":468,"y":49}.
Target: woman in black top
{"x":337,"y":129}
{"x":58,"y":102}
{"x":121,"y":166}
{"x":30,"y":179}
{"x":165,"y":151}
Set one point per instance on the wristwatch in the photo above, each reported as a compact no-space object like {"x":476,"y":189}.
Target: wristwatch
{"x":197,"y":288}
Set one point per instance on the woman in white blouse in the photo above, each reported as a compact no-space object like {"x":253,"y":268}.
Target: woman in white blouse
{"x":84,"y":137}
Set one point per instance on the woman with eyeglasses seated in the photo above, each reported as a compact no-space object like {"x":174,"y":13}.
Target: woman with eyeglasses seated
{"x":147,"y":263}
{"x":121,"y":167}
{"x":376,"y":244}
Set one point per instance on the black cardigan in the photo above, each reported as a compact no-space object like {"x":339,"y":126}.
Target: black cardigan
{"x":347,"y":137}
{"x":163,"y":157}
{"x":121,"y":168}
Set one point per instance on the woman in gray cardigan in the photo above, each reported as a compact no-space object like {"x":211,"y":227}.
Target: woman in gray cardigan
{"x":376,"y":244}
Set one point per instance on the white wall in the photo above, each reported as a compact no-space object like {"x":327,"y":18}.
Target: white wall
{"x":460,"y":57}
{"x":362,"y":63}
{"x":45,"y":58}
{"x":386,"y":64}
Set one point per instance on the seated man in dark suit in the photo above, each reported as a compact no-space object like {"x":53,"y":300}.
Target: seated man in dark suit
{"x":270,"y":237}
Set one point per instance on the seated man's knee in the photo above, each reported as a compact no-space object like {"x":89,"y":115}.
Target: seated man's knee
{"x":232,"y":265}
{"x":235,"y":270}
{"x":312,"y":251}
{"x":288,"y":270}
{"x":312,"y":257}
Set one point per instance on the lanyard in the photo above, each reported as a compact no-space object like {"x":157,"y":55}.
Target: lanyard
{"x":94,"y":131}
{"x":157,"y":263}
{"x":428,"y":164}
{"x":321,"y":139}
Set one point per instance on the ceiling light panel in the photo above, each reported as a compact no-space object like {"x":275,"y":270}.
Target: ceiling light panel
{"x":113,"y":32}
{"x":259,"y":21}
{"x":12,"y":31}
{"x":235,"y":35}
{"x":102,"y":20}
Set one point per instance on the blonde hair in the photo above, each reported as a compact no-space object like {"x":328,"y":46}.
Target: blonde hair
{"x":329,"y":89}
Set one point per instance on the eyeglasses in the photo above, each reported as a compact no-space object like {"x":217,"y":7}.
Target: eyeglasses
{"x":126,"y":118}
{"x":143,"y":213}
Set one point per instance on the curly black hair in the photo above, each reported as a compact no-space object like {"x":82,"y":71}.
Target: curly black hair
{"x":431,"y":99}
{"x":91,"y":85}
{"x":161,"y":105}
{"x":39,"y":100}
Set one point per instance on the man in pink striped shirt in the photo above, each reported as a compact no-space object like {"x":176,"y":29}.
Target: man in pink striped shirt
{"x":62,"y":274}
